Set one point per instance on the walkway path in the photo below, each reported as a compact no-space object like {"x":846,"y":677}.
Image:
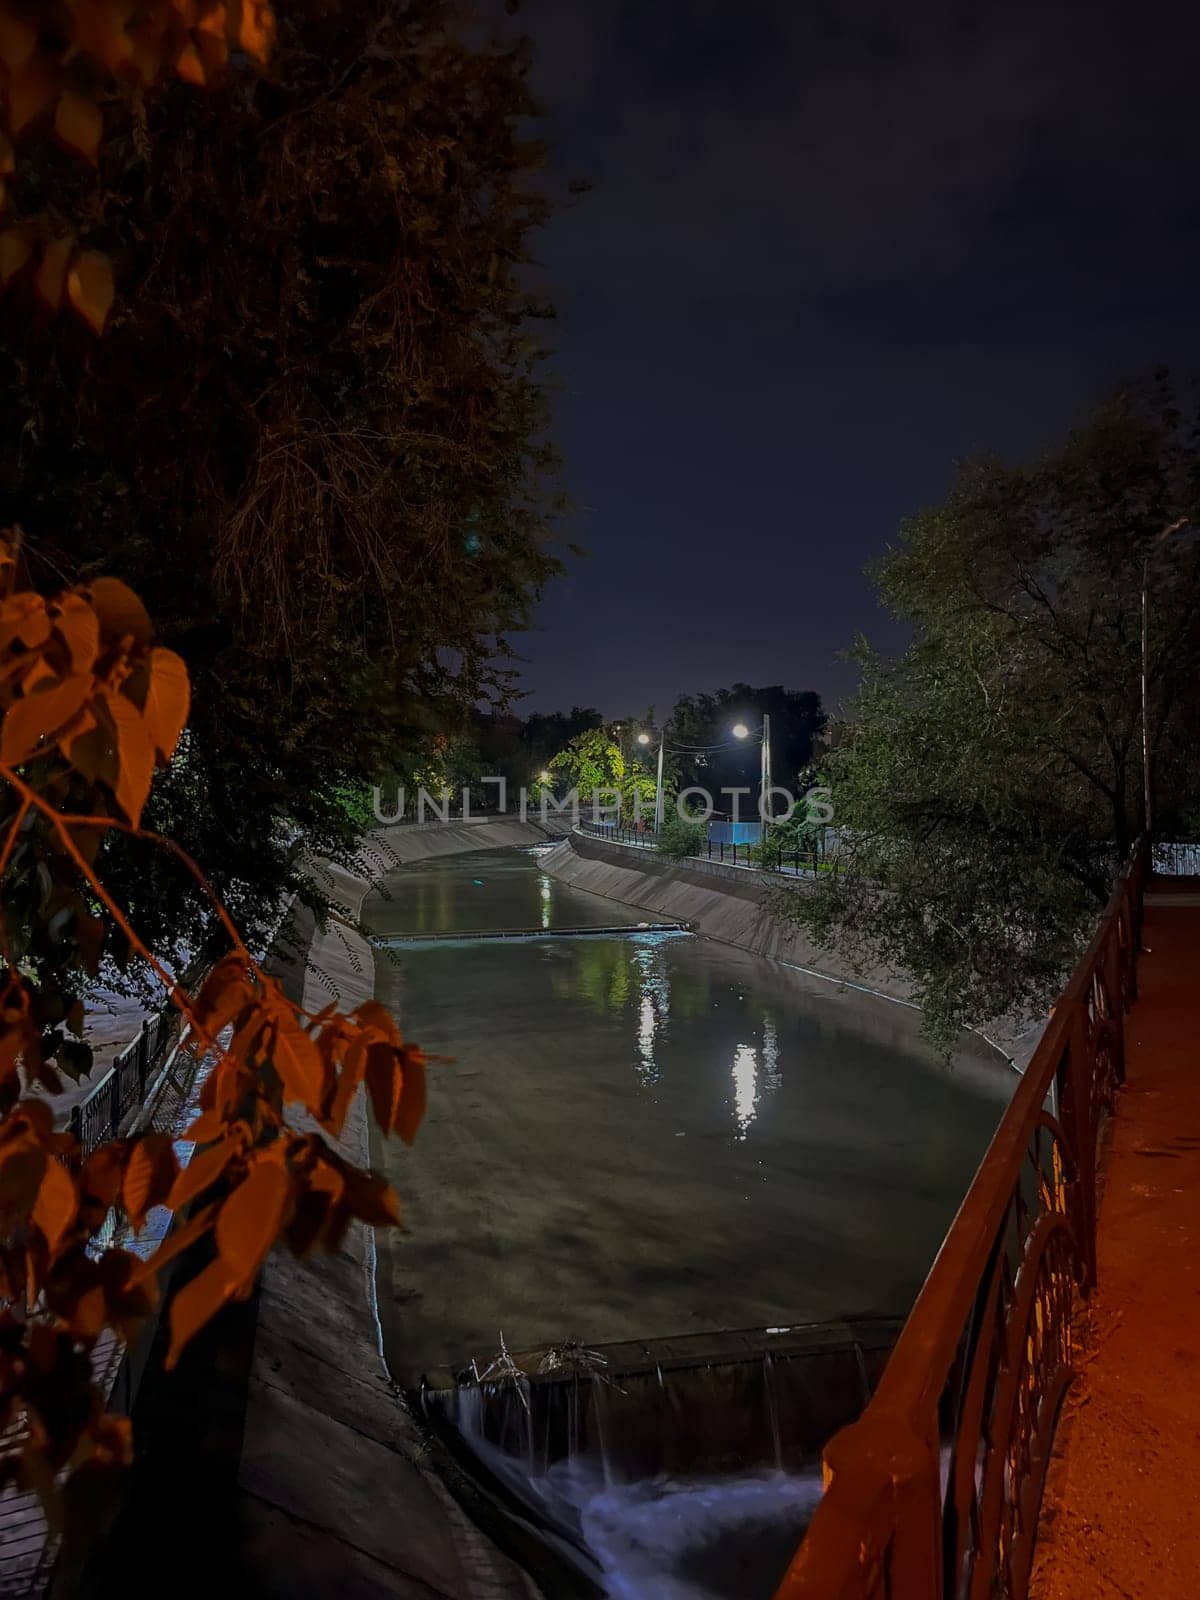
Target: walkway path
{"x":1121,"y":1515}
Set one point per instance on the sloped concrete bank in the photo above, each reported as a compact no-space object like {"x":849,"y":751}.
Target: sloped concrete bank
{"x":718,"y":900}
{"x":737,"y":905}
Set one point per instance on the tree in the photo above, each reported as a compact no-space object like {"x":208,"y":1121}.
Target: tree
{"x":990,"y":780}
{"x":592,"y":762}
{"x":90,"y":705}
{"x":706,"y":720}
{"x":313,"y":435}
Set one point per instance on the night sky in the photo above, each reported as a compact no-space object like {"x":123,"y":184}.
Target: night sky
{"x":829,"y":248}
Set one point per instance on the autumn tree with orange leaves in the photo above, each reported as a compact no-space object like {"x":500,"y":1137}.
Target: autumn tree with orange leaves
{"x":90,"y":708}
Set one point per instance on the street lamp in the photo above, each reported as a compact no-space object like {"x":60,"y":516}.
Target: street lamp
{"x":543,"y":776}
{"x":643,"y":738}
{"x":741,"y":731}
{"x":1166,"y":533}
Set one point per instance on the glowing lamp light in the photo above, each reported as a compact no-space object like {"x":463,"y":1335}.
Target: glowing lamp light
{"x":543,"y":777}
{"x":740,"y":731}
{"x":643,"y":738}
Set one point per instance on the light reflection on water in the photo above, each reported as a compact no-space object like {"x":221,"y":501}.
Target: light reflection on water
{"x":745,"y":1087}
{"x":624,"y":1127}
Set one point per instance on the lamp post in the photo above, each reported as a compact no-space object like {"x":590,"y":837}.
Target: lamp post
{"x":741,"y":731}
{"x":1166,"y":533}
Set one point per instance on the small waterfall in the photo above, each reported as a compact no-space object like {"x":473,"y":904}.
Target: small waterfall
{"x":597,"y":1406}
{"x":678,"y":1479}
{"x":772,"y":1405}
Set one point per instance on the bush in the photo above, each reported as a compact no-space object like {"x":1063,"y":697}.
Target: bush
{"x":786,"y":839}
{"x":678,"y":838}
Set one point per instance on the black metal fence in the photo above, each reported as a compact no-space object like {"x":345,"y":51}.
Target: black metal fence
{"x":103,"y":1112}
{"x":792,"y":863}
{"x":1177,"y":858}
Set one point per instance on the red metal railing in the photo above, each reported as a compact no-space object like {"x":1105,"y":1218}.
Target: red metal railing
{"x":933,"y":1494}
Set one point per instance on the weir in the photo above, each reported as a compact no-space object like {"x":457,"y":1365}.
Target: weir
{"x":683,"y":1470}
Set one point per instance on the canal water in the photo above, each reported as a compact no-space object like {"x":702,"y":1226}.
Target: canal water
{"x":643,"y":1136}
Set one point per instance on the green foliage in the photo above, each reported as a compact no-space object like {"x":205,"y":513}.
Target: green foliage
{"x":593,"y":761}
{"x":798,"y":836}
{"x":590,"y":761}
{"x":990,"y":780}
{"x":679,"y":838}
{"x":313,"y":437}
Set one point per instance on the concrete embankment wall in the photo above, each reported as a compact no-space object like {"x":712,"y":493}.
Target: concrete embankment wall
{"x":416,"y":841}
{"x":735,"y":905}
{"x":740,"y":906}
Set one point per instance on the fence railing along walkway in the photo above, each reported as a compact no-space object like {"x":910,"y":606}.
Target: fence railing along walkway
{"x":796,"y":862}
{"x":933,"y":1494}
{"x":101,"y":1114}
{"x":119,"y":1102}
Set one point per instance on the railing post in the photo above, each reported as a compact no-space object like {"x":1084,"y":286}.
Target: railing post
{"x":1076,"y":1115}
{"x":881,"y":1522}
{"x":76,"y":1126}
{"x":1114,"y":982}
{"x":114,"y":1098}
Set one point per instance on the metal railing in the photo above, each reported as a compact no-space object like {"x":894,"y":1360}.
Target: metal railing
{"x":105,"y":1109}
{"x":1177,"y":858}
{"x":803,"y":863}
{"x":934,"y":1493}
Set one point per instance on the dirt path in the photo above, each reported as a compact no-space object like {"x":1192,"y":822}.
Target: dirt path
{"x":1121,"y":1515}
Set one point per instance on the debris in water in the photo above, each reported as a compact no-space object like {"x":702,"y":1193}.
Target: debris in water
{"x":503,"y":1369}
{"x":573,"y":1357}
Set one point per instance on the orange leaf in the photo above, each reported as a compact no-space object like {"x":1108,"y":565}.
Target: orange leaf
{"x":16,"y":247}
{"x":371,"y":1199}
{"x":90,"y":288}
{"x":32,"y":89}
{"x":52,"y":274}
{"x":207,"y":1126}
{"x":149,"y":1175}
{"x":120,"y":611}
{"x":135,"y":756}
{"x":78,"y":123}
{"x":201,"y":1172}
{"x":40,"y":715}
{"x":56,"y":1203}
{"x":78,"y":627}
{"x":179,"y":1239}
{"x":17,"y":41}
{"x":249,"y":1221}
{"x":23,"y":616}
{"x":195,"y":1304}
{"x":297,"y":1060}
{"x":226,"y":994}
{"x":100,"y":30}
{"x":378,"y":1016}
{"x":254,"y":28}
{"x":167,"y":701}
{"x":102,"y":1174}
{"x":384,"y":1082}
{"x":190,"y":67}
{"x":348,"y":1081}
